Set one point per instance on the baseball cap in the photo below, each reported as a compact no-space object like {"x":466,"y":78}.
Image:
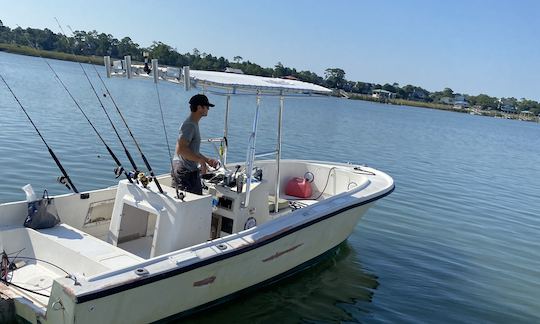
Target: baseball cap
{"x":200,"y":99}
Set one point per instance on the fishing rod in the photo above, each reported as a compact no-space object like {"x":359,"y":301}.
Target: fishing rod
{"x":152,"y":175}
{"x":126,"y":151}
{"x":178,"y":194}
{"x":120,"y":168}
{"x":64,"y":179}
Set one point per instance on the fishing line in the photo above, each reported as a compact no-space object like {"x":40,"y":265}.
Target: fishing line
{"x":145,"y":160}
{"x":130,"y":132}
{"x":11,"y":263}
{"x":22,"y":288}
{"x":178,"y":195}
{"x":47,"y":262}
{"x":163,"y":122}
{"x":65,"y":179}
{"x":120,"y":168}
{"x":126,"y":151}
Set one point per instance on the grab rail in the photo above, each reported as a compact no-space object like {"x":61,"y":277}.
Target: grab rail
{"x":258,"y":155}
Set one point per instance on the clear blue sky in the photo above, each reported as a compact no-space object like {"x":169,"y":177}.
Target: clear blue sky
{"x":471,"y":46}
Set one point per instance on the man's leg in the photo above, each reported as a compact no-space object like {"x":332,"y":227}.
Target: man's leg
{"x":196,"y":183}
{"x":189,"y":181}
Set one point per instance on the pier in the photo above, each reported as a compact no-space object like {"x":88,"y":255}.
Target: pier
{"x":7,"y":308}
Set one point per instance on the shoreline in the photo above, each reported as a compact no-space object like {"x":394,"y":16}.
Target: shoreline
{"x":437,"y":106}
{"x":29,"y":51}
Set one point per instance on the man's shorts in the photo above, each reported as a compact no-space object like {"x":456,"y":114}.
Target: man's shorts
{"x":186,"y":180}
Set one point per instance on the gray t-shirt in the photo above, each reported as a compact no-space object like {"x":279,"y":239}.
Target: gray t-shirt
{"x":189,"y":131}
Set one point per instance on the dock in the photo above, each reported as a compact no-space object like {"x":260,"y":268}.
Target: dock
{"x":7,"y":308}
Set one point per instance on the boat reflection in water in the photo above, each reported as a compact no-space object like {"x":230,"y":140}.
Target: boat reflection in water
{"x":334,"y":289}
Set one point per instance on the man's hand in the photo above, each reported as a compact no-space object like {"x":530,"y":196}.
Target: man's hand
{"x":204,"y":169}
{"x":213,"y":163}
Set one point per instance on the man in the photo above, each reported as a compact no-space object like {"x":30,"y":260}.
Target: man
{"x":185,"y":173}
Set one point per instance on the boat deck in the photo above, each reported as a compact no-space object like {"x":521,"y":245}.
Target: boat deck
{"x":41,"y":257}
{"x":107,"y":255}
{"x":34,"y":277}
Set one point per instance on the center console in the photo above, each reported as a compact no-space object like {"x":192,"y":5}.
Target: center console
{"x":229,"y":216}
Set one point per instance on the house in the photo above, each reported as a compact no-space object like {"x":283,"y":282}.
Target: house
{"x":507,"y":106}
{"x":460,"y":102}
{"x":418,"y":95}
{"x":382,"y":94}
{"x":446,"y":100}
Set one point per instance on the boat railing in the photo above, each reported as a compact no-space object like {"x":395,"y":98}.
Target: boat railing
{"x":269,"y":153}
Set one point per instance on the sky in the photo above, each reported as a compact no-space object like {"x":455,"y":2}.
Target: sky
{"x":470,"y":46}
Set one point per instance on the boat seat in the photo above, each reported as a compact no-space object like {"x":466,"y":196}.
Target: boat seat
{"x":91,"y":247}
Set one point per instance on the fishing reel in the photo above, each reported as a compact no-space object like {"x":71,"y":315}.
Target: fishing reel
{"x":118,"y":172}
{"x":143,"y":179}
{"x":64,"y":180}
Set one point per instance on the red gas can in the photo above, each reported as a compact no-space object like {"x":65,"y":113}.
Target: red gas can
{"x":298,"y":187}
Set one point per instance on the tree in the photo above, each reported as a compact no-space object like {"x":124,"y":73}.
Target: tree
{"x":311,"y":77}
{"x":389,"y":87}
{"x":334,"y":77}
{"x":484,"y":101}
{"x":238,"y":59}
{"x":447,"y":92}
{"x":530,"y":105}
{"x":279,"y":70}
{"x":164,"y":53}
{"x":127,"y":47}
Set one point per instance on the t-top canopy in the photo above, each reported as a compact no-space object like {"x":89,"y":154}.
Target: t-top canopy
{"x":253,"y":83}
{"x":198,"y":78}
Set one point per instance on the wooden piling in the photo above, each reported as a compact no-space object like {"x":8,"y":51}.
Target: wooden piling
{"x":7,"y":309}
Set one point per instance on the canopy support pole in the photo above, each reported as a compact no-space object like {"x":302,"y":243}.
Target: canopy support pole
{"x":251,"y":153}
{"x":278,"y":155}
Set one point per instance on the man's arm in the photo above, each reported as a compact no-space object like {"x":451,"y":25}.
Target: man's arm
{"x":182,"y":148}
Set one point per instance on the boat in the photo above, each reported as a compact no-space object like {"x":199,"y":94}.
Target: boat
{"x":143,"y":251}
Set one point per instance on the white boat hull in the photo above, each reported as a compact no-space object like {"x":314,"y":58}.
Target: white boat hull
{"x":211,"y":283}
{"x":114,"y":285}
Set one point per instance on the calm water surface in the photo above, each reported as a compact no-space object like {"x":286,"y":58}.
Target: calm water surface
{"x":457,"y":241}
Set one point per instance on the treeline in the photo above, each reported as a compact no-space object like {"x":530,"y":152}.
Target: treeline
{"x":101,"y":44}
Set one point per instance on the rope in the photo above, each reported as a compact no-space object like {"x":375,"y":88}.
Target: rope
{"x":326,"y":184}
{"x":22,"y":288}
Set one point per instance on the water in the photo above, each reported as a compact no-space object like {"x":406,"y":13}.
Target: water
{"x":457,"y":241}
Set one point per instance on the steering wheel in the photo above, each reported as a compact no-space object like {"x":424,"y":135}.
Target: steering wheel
{"x":211,"y":172}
